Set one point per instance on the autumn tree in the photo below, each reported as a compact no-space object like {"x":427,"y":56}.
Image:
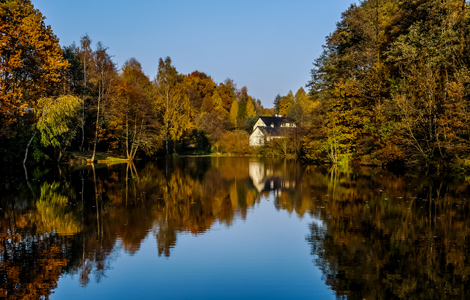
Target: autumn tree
{"x":200,"y":87}
{"x":31,"y":63}
{"x":226,"y":91}
{"x":132,"y":113}
{"x":86,"y":59}
{"x":430,"y":96}
{"x":234,"y":113}
{"x":250,"y":108}
{"x":286,"y":104}
{"x":172,"y":103}
{"x":217,"y":103}
{"x":102,"y":79}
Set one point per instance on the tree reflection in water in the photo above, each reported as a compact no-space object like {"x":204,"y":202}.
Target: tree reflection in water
{"x":380,"y":236}
{"x":385,"y":236}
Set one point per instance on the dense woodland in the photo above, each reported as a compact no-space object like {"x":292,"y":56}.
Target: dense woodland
{"x":390,"y":88}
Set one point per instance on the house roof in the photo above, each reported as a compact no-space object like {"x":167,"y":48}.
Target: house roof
{"x":277,"y":121}
{"x":280,"y":131}
{"x":269,"y":131}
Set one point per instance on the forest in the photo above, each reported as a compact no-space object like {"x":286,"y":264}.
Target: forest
{"x":391,"y":88}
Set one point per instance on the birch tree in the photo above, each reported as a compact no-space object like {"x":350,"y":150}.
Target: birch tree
{"x":103,"y":77}
{"x":172,"y":103}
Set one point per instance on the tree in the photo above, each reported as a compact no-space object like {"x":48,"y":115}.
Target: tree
{"x":200,"y":89}
{"x":132,"y":114}
{"x":218,"y":103}
{"x":226,"y":91}
{"x":56,"y":121}
{"x":277,"y":103}
{"x":234,"y":113}
{"x":74,"y":76}
{"x":287,"y":102}
{"x":103,"y":76}
{"x":85,"y":54}
{"x":250,"y":108}
{"x":215,"y":125}
{"x":241,"y":115}
{"x":31,"y":64}
{"x":172,"y":102}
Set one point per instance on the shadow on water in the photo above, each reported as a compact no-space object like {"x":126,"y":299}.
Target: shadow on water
{"x":379,"y":235}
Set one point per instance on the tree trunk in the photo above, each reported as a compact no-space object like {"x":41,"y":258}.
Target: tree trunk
{"x":127,"y":135}
{"x":97,"y":125}
{"x":166,"y":146}
{"x":83,"y":124}
{"x":83,"y":103}
{"x":27,"y":148}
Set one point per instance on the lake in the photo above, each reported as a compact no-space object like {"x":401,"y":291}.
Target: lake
{"x":232,"y":228}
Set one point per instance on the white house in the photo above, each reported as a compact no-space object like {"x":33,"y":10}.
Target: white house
{"x":268,"y":128}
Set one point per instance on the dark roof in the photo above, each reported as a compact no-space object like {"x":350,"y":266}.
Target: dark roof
{"x":269,"y":130}
{"x":281,"y":131}
{"x":277,"y":121}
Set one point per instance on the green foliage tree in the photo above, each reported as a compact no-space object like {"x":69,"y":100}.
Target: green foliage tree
{"x":57,"y":120}
{"x":241,"y":116}
{"x":277,"y":103}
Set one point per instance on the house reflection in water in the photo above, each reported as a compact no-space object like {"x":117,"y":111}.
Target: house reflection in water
{"x":269,"y":177}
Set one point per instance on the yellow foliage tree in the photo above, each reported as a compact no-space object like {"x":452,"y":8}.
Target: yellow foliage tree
{"x":287,"y":102}
{"x":172,"y":102}
{"x":234,"y":112}
{"x":250,"y":108}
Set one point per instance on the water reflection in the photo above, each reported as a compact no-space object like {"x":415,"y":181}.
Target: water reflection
{"x":378,"y":235}
{"x":386,"y":236}
{"x":74,"y":221}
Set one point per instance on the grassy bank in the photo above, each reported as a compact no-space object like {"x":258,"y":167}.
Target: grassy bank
{"x":84,"y":158}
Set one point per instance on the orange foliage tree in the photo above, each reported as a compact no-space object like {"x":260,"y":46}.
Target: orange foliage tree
{"x":31,"y":60}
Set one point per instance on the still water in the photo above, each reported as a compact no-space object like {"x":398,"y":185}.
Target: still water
{"x":232,"y":228}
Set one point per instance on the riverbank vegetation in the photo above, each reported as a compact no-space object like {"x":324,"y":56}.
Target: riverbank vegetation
{"x":391,"y":88}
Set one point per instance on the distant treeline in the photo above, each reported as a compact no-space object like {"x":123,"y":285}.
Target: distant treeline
{"x":393,"y":85}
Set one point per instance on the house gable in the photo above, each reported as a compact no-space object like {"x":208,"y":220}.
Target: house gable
{"x":259,"y":123}
{"x":267,"y":128}
{"x":257,"y":137}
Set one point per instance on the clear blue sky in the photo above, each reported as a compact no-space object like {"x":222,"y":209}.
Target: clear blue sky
{"x":267,"y":45}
